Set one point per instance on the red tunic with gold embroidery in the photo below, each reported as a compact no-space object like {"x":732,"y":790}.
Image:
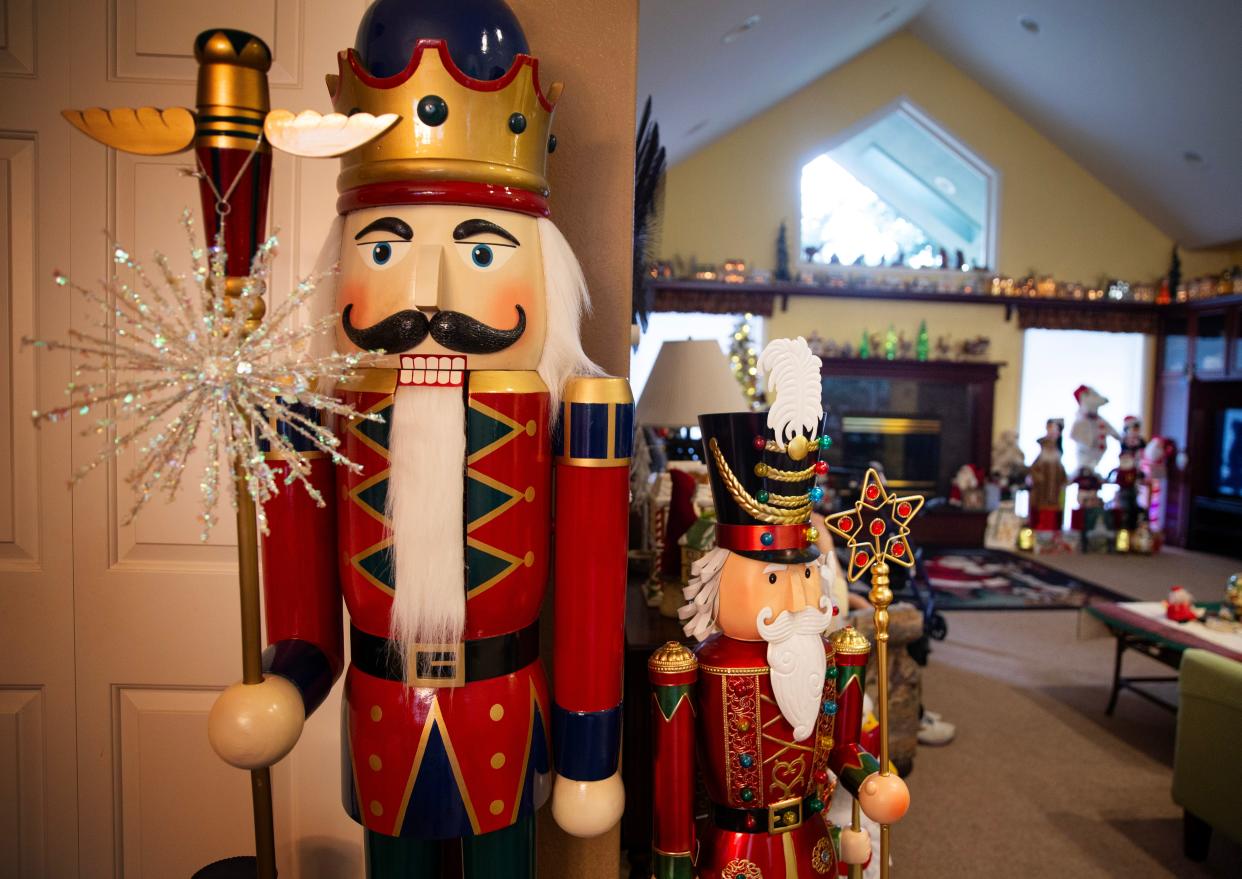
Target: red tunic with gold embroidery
{"x":769,"y":792}
{"x":449,"y":747}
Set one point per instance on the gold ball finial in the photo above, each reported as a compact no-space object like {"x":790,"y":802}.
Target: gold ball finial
{"x":227,"y":46}
{"x":798,"y":447}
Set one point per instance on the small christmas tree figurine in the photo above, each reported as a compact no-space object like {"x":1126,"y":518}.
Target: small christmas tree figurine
{"x":864,"y":347}
{"x":921,"y":348}
{"x":890,"y":343}
{"x":782,"y":255}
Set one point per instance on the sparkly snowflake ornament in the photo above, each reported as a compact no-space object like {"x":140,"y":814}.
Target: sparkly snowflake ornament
{"x":175,"y":363}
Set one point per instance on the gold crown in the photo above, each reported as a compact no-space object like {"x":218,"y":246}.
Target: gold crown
{"x":453,"y":128}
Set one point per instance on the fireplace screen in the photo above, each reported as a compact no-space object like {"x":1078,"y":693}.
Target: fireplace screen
{"x":908,"y":448}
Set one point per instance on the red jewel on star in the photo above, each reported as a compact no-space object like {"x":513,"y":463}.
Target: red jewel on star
{"x":860,"y":558}
{"x":873,"y":492}
{"x":903,"y":509}
{"x":821,"y":467}
{"x":899,"y":550}
{"x":846,"y":523}
{"x":759,"y":443}
{"x":877,"y":527}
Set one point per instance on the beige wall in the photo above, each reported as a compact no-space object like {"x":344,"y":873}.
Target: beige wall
{"x":591,"y":175}
{"x":728,"y":200}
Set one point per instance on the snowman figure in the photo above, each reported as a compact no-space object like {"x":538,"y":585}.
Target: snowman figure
{"x":1090,"y":432}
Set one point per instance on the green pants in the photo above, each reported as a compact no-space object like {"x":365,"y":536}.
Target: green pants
{"x":504,"y":854}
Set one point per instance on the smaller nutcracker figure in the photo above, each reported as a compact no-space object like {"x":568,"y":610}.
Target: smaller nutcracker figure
{"x":774,"y":707}
{"x":1009,"y":468}
{"x":1048,"y":479}
{"x":1126,"y":476}
{"x":1132,"y":435}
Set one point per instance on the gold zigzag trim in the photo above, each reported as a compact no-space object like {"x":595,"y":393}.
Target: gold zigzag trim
{"x":763,"y":512}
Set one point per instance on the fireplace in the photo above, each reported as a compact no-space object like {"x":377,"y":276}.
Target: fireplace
{"x":908,"y":447}
{"x":921,"y":420}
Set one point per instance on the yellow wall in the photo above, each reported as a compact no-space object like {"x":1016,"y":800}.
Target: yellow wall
{"x":728,"y":200}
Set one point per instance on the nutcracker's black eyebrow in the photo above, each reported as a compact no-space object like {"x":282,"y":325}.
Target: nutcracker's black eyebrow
{"x":477,"y":226}
{"x":395,"y":225}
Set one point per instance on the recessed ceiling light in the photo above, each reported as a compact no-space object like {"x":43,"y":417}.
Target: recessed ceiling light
{"x":1192,"y":157}
{"x":697,"y":127}
{"x":1028,"y":24}
{"x":945,"y":185}
{"x":742,"y":28}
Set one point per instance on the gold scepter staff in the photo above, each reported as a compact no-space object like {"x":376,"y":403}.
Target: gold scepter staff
{"x":877,"y":532}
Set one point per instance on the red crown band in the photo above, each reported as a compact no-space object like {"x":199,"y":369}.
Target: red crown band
{"x":749,"y":538}
{"x":488,"y":195}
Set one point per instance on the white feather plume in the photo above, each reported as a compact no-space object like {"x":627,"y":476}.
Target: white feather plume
{"x":794,"y":389}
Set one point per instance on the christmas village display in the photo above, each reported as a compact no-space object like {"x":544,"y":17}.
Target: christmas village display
{"x":948,"y":273}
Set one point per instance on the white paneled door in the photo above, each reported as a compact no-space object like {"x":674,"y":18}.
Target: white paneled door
{"x":115,"y":636}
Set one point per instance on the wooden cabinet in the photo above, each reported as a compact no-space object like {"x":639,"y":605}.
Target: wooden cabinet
{"x":1199,"y":378}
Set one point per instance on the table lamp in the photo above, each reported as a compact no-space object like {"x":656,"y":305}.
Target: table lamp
{"x":689,"y":378}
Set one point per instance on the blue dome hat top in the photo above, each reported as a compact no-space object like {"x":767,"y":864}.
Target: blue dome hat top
{"x":483,"y":36}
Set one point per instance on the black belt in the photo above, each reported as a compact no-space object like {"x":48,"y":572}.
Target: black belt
{"x":441,"y":665}
{"x":768,"y":819}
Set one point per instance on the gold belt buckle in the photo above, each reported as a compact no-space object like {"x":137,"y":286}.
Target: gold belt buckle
{"x":785,"y":815}
{"x":436,"y":665}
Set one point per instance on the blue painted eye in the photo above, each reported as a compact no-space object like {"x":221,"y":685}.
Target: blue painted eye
{"x":381,"y":253}
{"x":481,"y":255}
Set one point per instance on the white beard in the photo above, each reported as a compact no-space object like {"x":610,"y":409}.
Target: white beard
{"x":427,"y":451}
{"x":797,"y":661}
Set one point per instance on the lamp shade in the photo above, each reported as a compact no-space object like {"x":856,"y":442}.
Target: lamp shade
{"x":689,"y":378}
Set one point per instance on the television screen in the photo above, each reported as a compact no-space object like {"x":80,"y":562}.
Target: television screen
{"x":1229,"y":472}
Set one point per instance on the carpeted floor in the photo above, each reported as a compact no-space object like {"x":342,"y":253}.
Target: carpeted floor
{"x":1040,"y":782}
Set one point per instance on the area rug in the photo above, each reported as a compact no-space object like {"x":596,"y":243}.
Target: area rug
{"x":989,"y":579}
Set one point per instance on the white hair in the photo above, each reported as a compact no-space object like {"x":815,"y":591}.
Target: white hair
{"x":568,"y":300}
{"x":703,"y":595}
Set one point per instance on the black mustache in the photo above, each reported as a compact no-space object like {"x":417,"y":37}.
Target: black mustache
{"x":452,"y":329}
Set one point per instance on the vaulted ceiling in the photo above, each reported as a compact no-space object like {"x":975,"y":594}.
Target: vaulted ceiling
{"x":1145,"y":94}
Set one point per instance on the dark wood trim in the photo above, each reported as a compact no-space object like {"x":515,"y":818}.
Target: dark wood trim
{"x":974,"y":371}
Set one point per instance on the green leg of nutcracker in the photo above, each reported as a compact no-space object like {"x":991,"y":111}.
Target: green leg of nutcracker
{"x":508,"y":854}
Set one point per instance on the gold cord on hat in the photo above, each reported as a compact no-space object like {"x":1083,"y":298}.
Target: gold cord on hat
{"x":771,"y":513}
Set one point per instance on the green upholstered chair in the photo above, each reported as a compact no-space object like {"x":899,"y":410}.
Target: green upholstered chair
{"x":1207,"y":776}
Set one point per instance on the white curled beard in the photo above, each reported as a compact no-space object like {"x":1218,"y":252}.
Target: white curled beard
{"x":797,"y":662}
{"x":425,"y":509}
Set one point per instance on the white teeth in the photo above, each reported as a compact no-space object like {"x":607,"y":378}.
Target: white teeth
{"x":432,"y":370}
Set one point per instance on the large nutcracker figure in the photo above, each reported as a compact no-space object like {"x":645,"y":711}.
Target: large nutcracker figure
{"x":443,"y":544}
{"x":774,"y":707}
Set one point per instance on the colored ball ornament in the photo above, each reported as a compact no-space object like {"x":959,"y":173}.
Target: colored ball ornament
{"x":861,"y":559}
{"x":759,"y":443}
{"x":877,"y":527}
{"x":845,"y":523}
{"x":815,"y":804}
{"x":812,"y":535}
{"x":750,"y":825}
{"x":767,"y":538}
{"x":873,"y":492}
{"x":798,"y":448}
{"x":432,"y":110}
{"x":836,"y":609}
{"x":821,"y":468}
{"x":825,"y":443}
{"x":821,"y":777}
{"x":551,"y":143}
{"x":743,"y":725}
{"x":762,"y":495}
{"x":815,"y":495}
{"x":747,"y":795}
{"x":761,"y":469}
{"x":517,"y":123}
{"x":790,"y":817}
{"x":829,"y":707}
{"x":903,"y":509}
{"x":746,"y":760}
{"x":832,"y":672}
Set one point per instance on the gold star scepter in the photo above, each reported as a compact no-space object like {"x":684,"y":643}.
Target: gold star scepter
{"x":877,"y":532}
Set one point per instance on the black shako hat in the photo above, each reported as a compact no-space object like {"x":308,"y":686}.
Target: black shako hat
{"x":763,"y":465}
